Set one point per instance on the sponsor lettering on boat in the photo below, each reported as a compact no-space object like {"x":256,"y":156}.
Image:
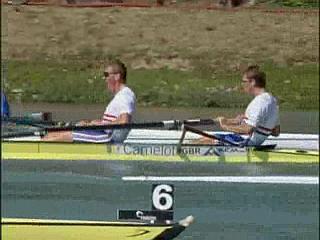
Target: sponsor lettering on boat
{"x":138,"y":149}
{"x":223,"y":150}
{"x":157,"y":150}
{"x":171,"y":150}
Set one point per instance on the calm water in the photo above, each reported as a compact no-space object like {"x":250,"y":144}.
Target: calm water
{"x":223,"y":211}
{"x":295,"y":122}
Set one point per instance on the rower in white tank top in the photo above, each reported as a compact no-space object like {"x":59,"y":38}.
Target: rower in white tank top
{"x":118,"y":111}
{"x":260,"y":119}
{"x":123,"y":102}
{"x":263,"y":114}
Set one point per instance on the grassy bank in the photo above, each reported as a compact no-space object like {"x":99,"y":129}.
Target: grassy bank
{"x":175,"y":57}
{"x":295,"y":87}
{"x":290,"y":3}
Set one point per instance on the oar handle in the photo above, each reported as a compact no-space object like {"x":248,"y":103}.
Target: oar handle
{"x":199,"y":121}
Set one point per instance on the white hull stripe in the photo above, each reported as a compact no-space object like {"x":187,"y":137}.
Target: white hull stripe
{"x":92,"y":136}
{"x":92,"y":141}
{"x":88,"y":136}
{"x":230,"y":179}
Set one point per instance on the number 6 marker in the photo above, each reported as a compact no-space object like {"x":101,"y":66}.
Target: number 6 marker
{"x":162,"y":197}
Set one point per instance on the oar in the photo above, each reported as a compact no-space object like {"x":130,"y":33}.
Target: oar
{"x":188,"y":128}
{"x":24,"y":134}
{"x":170,"y":124}
{"x":29,"y":121}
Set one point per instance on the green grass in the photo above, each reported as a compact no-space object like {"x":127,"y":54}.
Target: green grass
{"x":76,"y":82}
{"x":290,"y":3}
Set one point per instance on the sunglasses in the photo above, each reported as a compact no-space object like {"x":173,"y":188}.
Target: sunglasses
{"x":107,"y":74}
{"x":245,"y":81}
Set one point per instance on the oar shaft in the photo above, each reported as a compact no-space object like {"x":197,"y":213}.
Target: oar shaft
{"x":28,"y":121}
{"x":23,"y":134}
{"x":197,"y":122}
{"x":211,"y":136}
{"x":201,"y":133}
{"x":170,"y":124}
{"x":106,"y":127}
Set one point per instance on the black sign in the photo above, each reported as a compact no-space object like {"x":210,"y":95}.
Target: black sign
{"x":145,"y":215}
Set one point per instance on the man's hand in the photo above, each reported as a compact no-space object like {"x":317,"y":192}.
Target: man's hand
{"x":221,"y":120}
{"x":96,"y":122}
{"x":241,"y":117}
{"x":89,"y":122}
{"x":276,"y":131}
{"x":83,"y":123}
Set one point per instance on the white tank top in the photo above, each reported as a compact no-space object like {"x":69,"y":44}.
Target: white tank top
{"x":263,"y":114}
{"x":123,"y":102}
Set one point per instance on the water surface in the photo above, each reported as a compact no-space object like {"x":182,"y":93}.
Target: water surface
{"x":225,"y":211}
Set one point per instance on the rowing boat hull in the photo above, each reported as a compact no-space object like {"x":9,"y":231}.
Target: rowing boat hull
{"x":147,"y":136}
{"x":284,"y":140}
{"x":151,"y":152}
{"x":37,"y":229}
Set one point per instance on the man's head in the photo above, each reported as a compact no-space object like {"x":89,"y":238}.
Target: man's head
{"x":115,"y":75}
{"x":253,"y":79}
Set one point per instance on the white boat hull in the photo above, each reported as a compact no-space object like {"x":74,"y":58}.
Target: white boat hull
{"x":285,"y":140}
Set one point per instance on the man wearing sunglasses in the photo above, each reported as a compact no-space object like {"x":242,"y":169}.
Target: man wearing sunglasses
{"x":118,"y":111}
{"x":261,"y":118}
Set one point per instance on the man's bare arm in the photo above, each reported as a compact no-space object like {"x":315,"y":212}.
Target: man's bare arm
{"x":234,"y":126}
{"x":122,"y":119}
{"x":232,"y":121}
{"x":241,"y":129}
